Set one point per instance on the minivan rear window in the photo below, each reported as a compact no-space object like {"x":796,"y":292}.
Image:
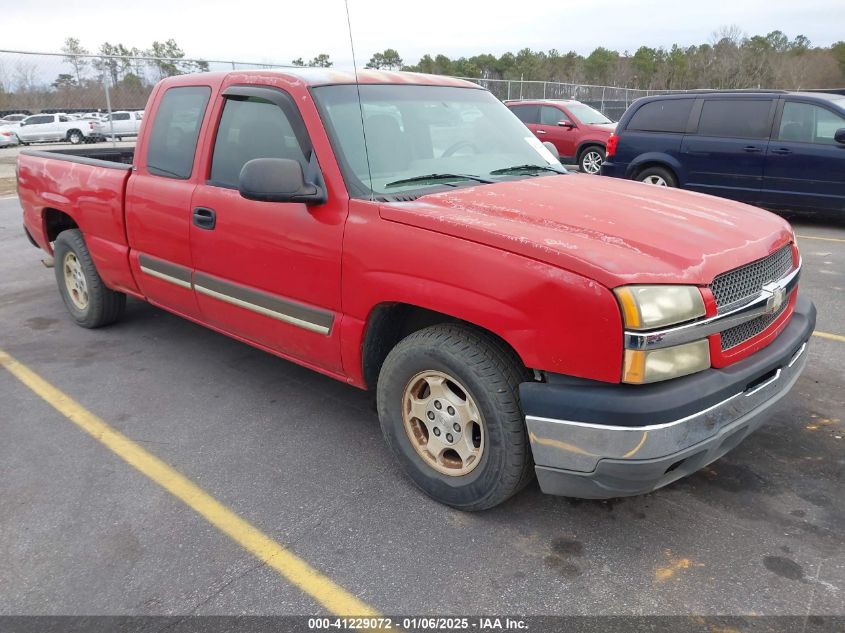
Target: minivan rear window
{"x":666,"y":115}
{"x":735,"y":118}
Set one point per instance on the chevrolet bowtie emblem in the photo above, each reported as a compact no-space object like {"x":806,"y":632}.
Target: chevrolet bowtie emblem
{"x":777,"y":298}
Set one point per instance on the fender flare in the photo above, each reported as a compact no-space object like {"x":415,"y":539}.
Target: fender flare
{"x":657,"y":158}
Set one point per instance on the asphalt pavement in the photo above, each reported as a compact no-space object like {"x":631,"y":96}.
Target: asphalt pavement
{"x":300,"y":457}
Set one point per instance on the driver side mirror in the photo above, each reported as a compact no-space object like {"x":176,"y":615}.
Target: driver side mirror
{"x":277,"y":180}
{"x":566,"y":124}
{"x":839,"y":135}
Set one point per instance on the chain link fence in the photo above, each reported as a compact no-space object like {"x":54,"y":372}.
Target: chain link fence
{"x":611,"y":101}
{"x":32,"y":83}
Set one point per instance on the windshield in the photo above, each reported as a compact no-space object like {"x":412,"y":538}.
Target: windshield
{"x":426,"y":136}
{"x":586,"y":114}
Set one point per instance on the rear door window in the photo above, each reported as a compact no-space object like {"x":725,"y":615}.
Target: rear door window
{"x":807,"y":123}
{"x":176,"y":127}
{"x":735,"y":118}
{"x":666,"y":115}
{"x":527,"y":113}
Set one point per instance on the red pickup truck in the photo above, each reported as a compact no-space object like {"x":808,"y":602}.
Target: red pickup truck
{"x":405,"y":233}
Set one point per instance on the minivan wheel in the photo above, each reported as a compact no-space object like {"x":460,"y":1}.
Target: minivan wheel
{"x":657,"y":176}
{"x":591,"y":160}
{"x":448,"y":403}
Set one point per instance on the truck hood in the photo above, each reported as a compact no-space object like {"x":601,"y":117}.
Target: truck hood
{"x":609,"y":230}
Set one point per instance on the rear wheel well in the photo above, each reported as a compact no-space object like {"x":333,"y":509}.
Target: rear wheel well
{"x":587,"y":146}
{"x":653,"y":163}
{"x":390,"y":323}
{"x":55,"y":222}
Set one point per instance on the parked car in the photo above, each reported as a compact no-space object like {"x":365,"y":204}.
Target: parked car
{"x":578,"y":131}
{"x":13,"y":118}
{"x":40,"y":128}
{"x":510,"y":316}
{"x":8,"y":135}
{"x":121,"y":124}
{"x":782,"y":150}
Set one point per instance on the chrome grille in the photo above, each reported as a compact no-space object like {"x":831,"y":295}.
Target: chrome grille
{"x":747,"y":281}
{"x":744,"y":331}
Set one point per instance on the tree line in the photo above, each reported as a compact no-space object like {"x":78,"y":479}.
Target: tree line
{"x":123,"y":64}
{"x":729,"y":60}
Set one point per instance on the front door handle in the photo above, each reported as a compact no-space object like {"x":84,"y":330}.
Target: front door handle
{"x":205,"y":218}
{"x":751,"y":148}
{"x":782,"y":151}
{"x":541,"y":131}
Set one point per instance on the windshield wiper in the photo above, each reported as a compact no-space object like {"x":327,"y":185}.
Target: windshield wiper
{"x":408,"y":181}
{"x":518,"y":169}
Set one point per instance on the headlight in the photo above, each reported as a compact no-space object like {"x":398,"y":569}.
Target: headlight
{"x":669,"y":362}
{"x":646,"y":307}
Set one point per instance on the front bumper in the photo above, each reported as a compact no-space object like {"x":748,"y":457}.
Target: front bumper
{"x":596,"y":440}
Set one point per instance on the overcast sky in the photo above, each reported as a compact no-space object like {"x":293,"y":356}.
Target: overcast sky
{"x":270,"y":30}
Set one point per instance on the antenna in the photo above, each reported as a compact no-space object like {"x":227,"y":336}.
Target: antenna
{"x":360,"y":105}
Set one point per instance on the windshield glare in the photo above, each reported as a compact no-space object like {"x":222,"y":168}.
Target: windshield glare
{"x":586,"y":114}
{"x":414,"y":131}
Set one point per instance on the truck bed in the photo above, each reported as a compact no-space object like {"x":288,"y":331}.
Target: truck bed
{"x":108,"y":157}
{"x":85,"y":187}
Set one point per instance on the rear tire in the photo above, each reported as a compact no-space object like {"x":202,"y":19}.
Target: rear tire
{"x":75,"y":137}
{"x":90,"y":303}
{"x":659,"y":176}
{"x":591,"y":159}
{"x":465,"y":385}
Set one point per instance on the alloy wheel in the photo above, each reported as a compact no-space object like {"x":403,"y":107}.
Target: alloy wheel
{"x":443,"y":423}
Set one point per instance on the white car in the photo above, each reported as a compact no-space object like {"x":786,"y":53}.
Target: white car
{"x":13,"y":118}
{"x":8,"y":134}
{"x":122,"y":123}
{"x":40,"y":128}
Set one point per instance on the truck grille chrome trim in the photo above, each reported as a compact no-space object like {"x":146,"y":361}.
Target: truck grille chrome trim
{"x":735,"y":287}
{"x":769,"y":302}
{"x":740,"y":333}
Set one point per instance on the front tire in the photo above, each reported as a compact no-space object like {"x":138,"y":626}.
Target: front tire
{"x":591,"y":160}
{"x":448,"y":403}
{"x":90,"y":303}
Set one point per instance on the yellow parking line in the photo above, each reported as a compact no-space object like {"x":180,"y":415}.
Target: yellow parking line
{"x":321,"y":588}
{"x":832,"y":337}
{"x":823,"y":239}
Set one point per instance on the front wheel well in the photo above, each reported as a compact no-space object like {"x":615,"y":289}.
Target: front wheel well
{"x":389,"y":323}
{"x":55,"y":222}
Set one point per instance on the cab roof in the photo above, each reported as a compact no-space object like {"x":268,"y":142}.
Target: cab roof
{"x":331,"y":76}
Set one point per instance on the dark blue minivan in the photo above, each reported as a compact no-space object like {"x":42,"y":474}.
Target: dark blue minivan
{"x":783,"y":150}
